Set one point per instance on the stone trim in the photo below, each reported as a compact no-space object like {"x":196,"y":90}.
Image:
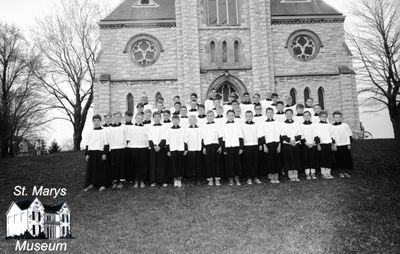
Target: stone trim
{"x":146,"y":24}
{"x":306,"y":20}
{"x":227,"y":68}
{"x":312,"y":75}
{"x":139,"y":80}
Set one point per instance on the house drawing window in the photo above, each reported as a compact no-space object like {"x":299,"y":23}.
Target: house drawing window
{"x":222,"y":12}
{"x":224,"y":52}
{"x":33,"y":215}
{"x":33,"y":230}
{"x":321,"y":97}
{"x":293,"y":94}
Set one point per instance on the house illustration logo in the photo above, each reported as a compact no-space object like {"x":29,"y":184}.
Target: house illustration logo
{"x":31,"y":219}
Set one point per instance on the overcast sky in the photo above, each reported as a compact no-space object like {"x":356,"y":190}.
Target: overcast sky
{"x":23,"y":13}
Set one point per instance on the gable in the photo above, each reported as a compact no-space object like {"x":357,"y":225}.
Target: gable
{"x":132,"y":10}
{"x":302,"y":8}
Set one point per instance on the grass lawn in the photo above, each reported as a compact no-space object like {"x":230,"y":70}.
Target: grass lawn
{"x":356,"y":215}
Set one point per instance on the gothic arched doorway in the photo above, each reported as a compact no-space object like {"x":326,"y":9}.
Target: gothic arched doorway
{"x":227,"y":84}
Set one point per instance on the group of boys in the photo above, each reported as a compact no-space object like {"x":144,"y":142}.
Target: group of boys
{"x":213,"y":141}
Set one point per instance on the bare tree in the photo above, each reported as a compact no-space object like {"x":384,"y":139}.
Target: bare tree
{"x":22,"y":110}
{"x":376,"y":39}
{"x":69,"y":40}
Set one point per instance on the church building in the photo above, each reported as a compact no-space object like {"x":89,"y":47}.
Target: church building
{"x":177,"y":47}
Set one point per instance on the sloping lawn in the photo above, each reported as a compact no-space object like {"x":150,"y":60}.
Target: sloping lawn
{"x":356,"y":215}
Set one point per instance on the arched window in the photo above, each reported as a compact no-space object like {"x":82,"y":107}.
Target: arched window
{"x":225,"y":89}
{"x":293,"y":94}
{"x":212,"y":52}
{"x":158,"y":96}
{"x":321,"y":97}
{"x":223,"y":12}
{"x":224,"y":52}
{"x":129,"y":102}
{"x":306,"y":95}
{"x":144,"y":1}
{"x":237,"y":57}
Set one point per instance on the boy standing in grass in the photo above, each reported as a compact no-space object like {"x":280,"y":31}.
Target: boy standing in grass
{"x":342,"y":138}
{"x":158,"y":152}
{"x":324,"y":145}
{"x":193,"y":162}
{"x":232,"y":147}
{"x":291,"y":137}
{"x":137,"y":155}
{"x":309,"y":148}
{"x":219,"y":118}
{"x":176,"y":150}
{"x":184,"y":118}
{"x":95,"y":155}
{"x":117,"y":140}
{"x":211,"y":144}
{"x":193,"y":108}
{"x":250,"y":154}
{"x":269,"y":136}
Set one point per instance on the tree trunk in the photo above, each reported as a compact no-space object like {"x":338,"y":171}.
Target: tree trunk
{"x":394,"y":112}
{"x":4,"y":148}
{"x":77,"y":139}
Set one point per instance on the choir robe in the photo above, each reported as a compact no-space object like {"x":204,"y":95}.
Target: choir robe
{"x":192,"y":112}
{"x":209,"y":104}
{"x":308,"y":155}
{"x":342,"y":137}
{"x":219,"y":120}
{"x":232,"y":136}
{"x":116,"y":137}
{"x":201,"y":120}
{"x":246,"y":107}
{"x":324,"y":139}
{"x":167,"y":123}
{"x":266,"y":104}
{"x":137,"y":156}
{"x":210,"y":136}
{"x":298,"y":118}
{"x":280,"y":117}
{"x":193,"y":162}
{"x":227,"y":107}
{"x":291,"y":154}
{"x":258,"y":119}
{"x":158,"y":160}
{"x":315,"y":118}
{"x":184,"y":122}
{"x":97,"y":172}
{"x":107,"y":128}
{"x":176,"y":146}
{"x":251,"y":151}
{"x":269,"y":133}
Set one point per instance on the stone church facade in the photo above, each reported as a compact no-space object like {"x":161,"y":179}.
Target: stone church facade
{"x":177,"y":47}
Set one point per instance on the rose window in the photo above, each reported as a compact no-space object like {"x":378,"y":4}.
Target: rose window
{"x":144,"y":52}
{"x":303,"y":47}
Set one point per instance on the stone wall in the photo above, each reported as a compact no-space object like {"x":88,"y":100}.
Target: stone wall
{"x":339,"y":91}
{"x":332,"y":55}
{"x":116,"y":63}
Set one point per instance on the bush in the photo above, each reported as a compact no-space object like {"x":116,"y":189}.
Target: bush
{"x":54,"y":147}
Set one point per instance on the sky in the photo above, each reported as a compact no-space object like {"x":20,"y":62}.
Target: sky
{"x":23,"y":14}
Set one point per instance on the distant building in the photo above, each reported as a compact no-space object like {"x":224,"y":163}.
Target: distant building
{"x":32,"y":216}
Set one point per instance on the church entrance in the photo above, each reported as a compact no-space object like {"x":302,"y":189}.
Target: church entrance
{"x":225,"y":89}
{"x":227,"y":84}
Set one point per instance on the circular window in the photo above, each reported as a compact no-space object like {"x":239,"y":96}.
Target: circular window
{"x":304,"y":46}
{"x":143,"y":50}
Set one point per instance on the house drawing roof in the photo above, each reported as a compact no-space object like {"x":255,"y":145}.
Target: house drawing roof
{"x":25,"y":203}
{"x":165,"y":10}
{"x":53,"y":209}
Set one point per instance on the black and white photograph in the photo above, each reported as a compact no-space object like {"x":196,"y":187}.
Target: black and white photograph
{"x":200,"y":126}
